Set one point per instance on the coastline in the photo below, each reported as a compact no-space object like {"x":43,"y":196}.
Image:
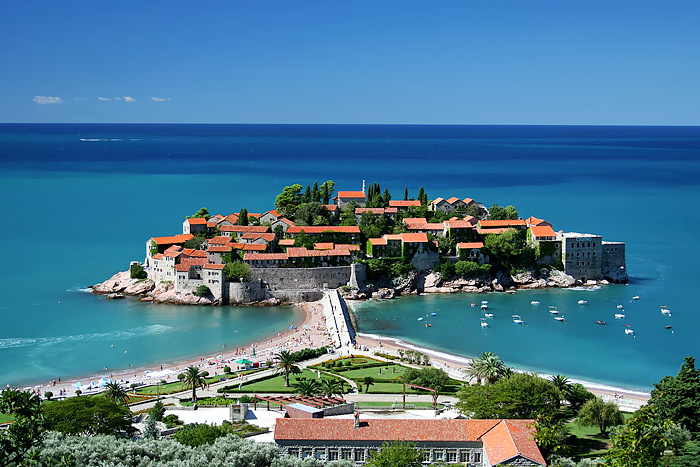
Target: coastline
{"x":310,"y":331}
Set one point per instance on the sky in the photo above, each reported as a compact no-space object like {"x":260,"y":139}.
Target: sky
{"x":595,"y":62}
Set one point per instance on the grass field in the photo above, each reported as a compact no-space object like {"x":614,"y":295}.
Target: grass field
{"x":4,"y":418}
{"x":589,"y":441}
{"x":387,"y":372}
{"x":275,"y":384}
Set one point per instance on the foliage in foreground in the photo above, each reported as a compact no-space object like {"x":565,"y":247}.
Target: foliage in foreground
{"x":229,"y":451}
{"x":396,"y":454}
{"x":88,"y":416}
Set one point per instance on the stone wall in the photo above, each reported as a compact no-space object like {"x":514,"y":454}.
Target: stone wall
{"x":425,"y":261}
{"x":244,"y":292}
{"x":358,"y":276}
{"x":277,"y":279}
{"x":614,"y":267}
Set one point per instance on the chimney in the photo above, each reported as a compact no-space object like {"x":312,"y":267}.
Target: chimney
{"x":363,"y":186}
{"x":357,"y":420}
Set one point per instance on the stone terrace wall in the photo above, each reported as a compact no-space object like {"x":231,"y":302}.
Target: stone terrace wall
{"x":279,"y":279}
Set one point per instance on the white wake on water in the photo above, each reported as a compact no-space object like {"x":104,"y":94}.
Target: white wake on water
{"x":14,"y":342}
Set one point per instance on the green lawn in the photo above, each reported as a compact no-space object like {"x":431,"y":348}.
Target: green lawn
{"x":380,"y":404}
{"x":4,"y":418}
{"x":275,"y":384}
{"x":177,"y":386}
{"x":589,"y":441}
{"x":386,"y":373}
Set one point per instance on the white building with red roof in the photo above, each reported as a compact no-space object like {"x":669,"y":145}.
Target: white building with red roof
{"x":346,"y":197}
{"x":477,"y":443}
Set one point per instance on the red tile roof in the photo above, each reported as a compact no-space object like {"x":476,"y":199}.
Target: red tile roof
{"x":172,"y":253}
{"x":351,"y":194}
{"x":403,"y":204}
{"x":219,"y":249}
{"x":301,"y":252}
{"x":542,"y":231}
{"x":393,"y":237}
{"x":254,"y":247}
{"x":467,"y":201}
{"x":245,"y":228}
{"x":437,"y":200}
{"x":265,"y":256}
{"x":453,"y":200}
{"x":323,"y":246}
{"x":471,"y":219}
{"x":377,"y":241}
{"x":182,"y":267}
{"x":158,"y":256}
{"x":348,"y":247}
{"x":426,"y":226}
{"x":459,"y":224}
{"x":502,"y":223}
{"x":194,"y":261}
{"x":421,"y":237}
{"x":286,"y":221}
{"x":254,"y":215}
{"x":331,"y":207}
{"x":286,"y":242}
{"x":372,"y":210}
{"x":273,"y":212}
{"x":214,"y":266}
{"x":510,"y":438}
{"x":415,"y":220}
{"x":197,"y":221}
{"x":181,"y":238}
{"x":254,"y":236}
{"x":469,"y":245}
{"x":317,"y":229}
{"x":174,"y":248}
{"x":211,"y":225}
{"x":219,"y":240}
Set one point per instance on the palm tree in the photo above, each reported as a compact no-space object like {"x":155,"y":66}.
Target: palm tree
{"x":193,"y":378}
{"x":561,"y":382}
{"x":286,"y":364}
{"x":487,"y":366}
{"x":306,"y":387}
{"x":369,"y":381}
{"x":113,"y":391}
{"x":330,"y":387}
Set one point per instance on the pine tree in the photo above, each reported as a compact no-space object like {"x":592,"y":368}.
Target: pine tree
{"x":405,"y":194}
{"x":307,"y":195}
{"x":243,"y":217}
{"x":421,"y":196}
{"x":387,"y":197}
{"x":315,"y":194}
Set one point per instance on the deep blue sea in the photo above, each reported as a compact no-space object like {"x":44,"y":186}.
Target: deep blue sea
{"x":78,"y":203}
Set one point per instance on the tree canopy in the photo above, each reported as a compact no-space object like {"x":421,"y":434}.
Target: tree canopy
{"x":237,"y":270}
{"x":678,"y":398}
{"x":396,"y":454}
{"x":28,"y":428}
{"x":88,"y":416}
{"x":595,"y":412}
{"x":287,"y":201}
{"x":497,"y":213}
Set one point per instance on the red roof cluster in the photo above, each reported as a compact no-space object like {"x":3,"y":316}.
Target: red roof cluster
{"x":502,"y":223}
{"x":318,"y":229}
{"x":245,"y":228}
{"x":181,"y":238}
{"x":351,"y":194}
{"x":403,"y":204}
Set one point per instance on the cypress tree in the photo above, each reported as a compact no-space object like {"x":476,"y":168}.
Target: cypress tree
{"x":315,"y":194}
{"x":421,"y":195}
{"x":243,"y":217}
{"x":387,"y":197}
{"x":405,"y":194}
{"x":307,"y":195}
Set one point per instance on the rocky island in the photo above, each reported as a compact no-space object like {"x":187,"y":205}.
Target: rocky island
{"x":366,"y":244}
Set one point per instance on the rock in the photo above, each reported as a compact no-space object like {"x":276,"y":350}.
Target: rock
{"x":525,"y":277}
{"x":604,"y":282}
{"x":428,"y":281}
{"x":591,"y":283}
{"x":440,"y":290}
{"x":470,"y":289}
{"x":384,"y":293}
{"x":114,"y":296}
{"x":117,"y":283}
{"x":140,"y":287}
{"x":270,"y":302}
{"x":538,"y":284}
{"x":498,"y":288}
{"x":560,"y":279}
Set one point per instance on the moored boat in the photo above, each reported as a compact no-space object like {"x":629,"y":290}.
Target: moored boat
{"x":602,"y":323}
{"x":559,"y":318}
{"x":619,"y":316}
{"x":534,"y":302}
{"x":517,"y":319}
{"x":488,"y":315}
{"x":629,"y":331}
{"x":582,"y":302}
{"x":484,"y":324}
{"x":636,"y":297}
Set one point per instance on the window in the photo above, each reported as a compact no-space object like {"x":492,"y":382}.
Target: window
{"x":293,"y":452}
{"x":476,"y":457}
{"x":359,"y":455}
{"x":346,"y":454}
{"x":332,"y":454}
{"x":320,"y":454}
{"x":306,"y":453}
{"x":464,"y":456}
{"x":426,"y":456}
{"x":451,"y":456}
{"x":439,"y":455}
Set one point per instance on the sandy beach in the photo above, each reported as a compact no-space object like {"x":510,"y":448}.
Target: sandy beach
{"x":309,"y":332}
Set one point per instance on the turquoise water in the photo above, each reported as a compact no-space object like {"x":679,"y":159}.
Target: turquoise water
{"x":79,"y":202}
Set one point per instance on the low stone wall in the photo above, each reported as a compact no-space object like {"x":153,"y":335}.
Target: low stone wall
{"x":236,"y":293}
{"x":277,"y":279}
{"x":339,"y":409}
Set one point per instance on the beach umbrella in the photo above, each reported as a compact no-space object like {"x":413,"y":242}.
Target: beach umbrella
{"x":244,"y":361}
{"x":78,"y":384}
{"x":253,"y":351}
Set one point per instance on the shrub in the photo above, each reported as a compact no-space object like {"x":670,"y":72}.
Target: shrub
{"x":172,"y":420}
{"x":48,"y":395}
{"x":227,"y":369}
{"x":157,"y":411}
{"x":246,"y":399}
{"x":136,"y":272}
{"x":202,"y":291}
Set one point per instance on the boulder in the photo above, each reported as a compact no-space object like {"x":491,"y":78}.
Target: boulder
{"x":114,"y":296}
{"x":560,"y":279}
{"x":424,"y":281}
{"x":384,"y":293}
{"x":525,"y":277}
{"x":115,"y":284}
{"x":140,"y":287}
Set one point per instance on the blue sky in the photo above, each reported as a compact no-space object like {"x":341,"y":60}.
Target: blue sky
{"x":379,"y":61}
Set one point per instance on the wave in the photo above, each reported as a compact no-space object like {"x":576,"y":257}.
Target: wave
{"x":466,"y":360}
{"x":92,"y":140}
{"x":79,"y":289}
{"x":15,"y":342}
{"x":585,"y":288}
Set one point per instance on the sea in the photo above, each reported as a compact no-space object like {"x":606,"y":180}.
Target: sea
{"x":79,"y":202}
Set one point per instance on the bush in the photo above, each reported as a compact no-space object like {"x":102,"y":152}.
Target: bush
{"x":246,"y":399}
{"x":237,"y":271}
{"x":48,"y":395}
{"x":157,"y":411}
{"x":471,"y":269}
{"x":202,"y":291}
{"x":172,"y":420}
{"x":136,"y":272}
{"x":227,"y":369}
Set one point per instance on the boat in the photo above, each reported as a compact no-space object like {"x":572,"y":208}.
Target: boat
{"x":420,"y":319}
{"x":665,"y":310}
{"x":484,"y":306}
{"x":488,"y":315}
{"x":559,"y":318}
{"x":517,"y":319}
{"x":602,"y":323}
{"x":553,"y":310}
{"x":582,"y":302}
{"x":428,"y":325}
{"x":619,"y":306}
{"x":484,"y":324}
{"x":668,"y":326}
{"x":629,"y":331}
{"x":433,"y":314}
{"x":484,"y":302}
{"x":619,"y":316}
{"x":473,"y":304}
{"x":636,"y":297}
{"x":534,"y":302}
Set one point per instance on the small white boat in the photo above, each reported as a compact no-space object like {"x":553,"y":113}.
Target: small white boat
{"x":484,"y":306}
{"x":534,"y":302}
{"x":559,"y":318}
{"x":433,"y":314}
{"x":420,"y":319}
{"x":488,"y":315}
{"x":554,"y":311}
{"x":517,"y":319}
{"x":619,"y":316}
{"x":484,"y":302}
{"x":636,"y":297}
{"x":666,"y":311}
{"x":619,"y":306}
{"x":629,"y":331}
{"x":582,"y":302}
{"x":484,"y":324}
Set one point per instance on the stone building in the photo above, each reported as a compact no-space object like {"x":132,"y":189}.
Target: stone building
{"x":477,"y":443}
{"x":346,"y":197}
{"x":588,"y":257}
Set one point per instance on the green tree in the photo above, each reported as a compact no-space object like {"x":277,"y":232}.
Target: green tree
{"x":520,"y":396}
{"x":430,"y":377}
{"x":641,"y":441}
{"x":88,"y":416}
{"x":577,"y":395}
{"x":286,"y":363}
{"x":151,"y":430}
{"x":678,"y":398}
{"x":327,"y":189}
{"x":422,"y":197}
{"x":196,"y":242}
{"x":561,"y":382}
{"x":306,"y":198}
{"x":287,"y":201}
{"x":368,"y":381}
{"x":595,"y":412}
{"x":302,"y":239}
{"x":487,"y":367}
{"x":445,"y":245}
{"x":157,"y":411}
{"x":114,"y":392}
{"x":242,"y":217}
{"x":237,"y":271}
{"x":136,"y":271}
{"x":306,"y":387}
{"x":330,"y":387}
{"x":193,"y":379}
{"x":471,"y":269}
{"x":202,"y":291}
{"x":497,"y":213}
{"x":202,"y":213}
{"x":307,"y":213}
{"x":315,"y":193}
{"x":405,"y":194}
{"x":28,"y":429}
{"x":196,"y":435}
{"x":396,"y":454}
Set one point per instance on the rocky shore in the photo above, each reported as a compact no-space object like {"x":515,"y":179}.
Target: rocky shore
{"x":122,"y":284}
{"x":435,"y":283}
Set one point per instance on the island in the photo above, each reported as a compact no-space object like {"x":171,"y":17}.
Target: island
{"x":366,"y":245}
